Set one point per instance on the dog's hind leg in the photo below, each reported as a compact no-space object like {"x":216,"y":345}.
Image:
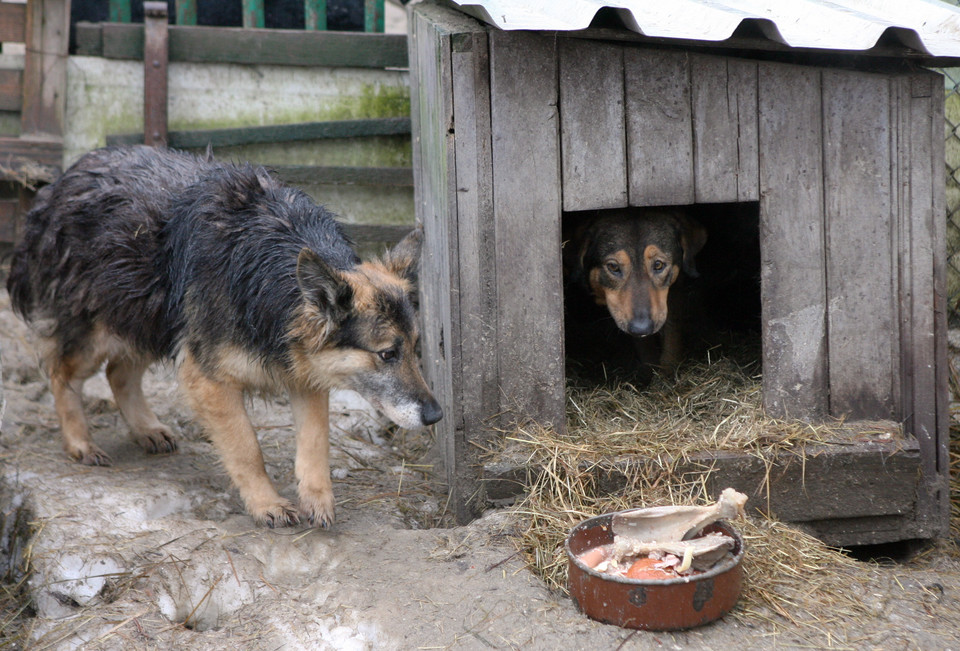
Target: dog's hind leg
{"x":219,"y":408}
{"x":125,"y":375}
{"x":67,"y":375}
{"x":311,"y":412}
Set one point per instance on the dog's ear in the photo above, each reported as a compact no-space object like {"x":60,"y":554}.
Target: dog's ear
{"x":404,"y":258}
{"x":323,"y":286}
{"x":693,"y":236}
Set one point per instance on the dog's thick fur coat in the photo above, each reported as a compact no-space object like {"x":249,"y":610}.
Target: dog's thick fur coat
{"x":139,"y":254}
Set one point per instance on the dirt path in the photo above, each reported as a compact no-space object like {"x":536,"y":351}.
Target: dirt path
{"x":156,"y":553}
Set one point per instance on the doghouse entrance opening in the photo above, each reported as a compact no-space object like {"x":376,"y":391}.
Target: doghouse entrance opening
{"x":714,"y":305}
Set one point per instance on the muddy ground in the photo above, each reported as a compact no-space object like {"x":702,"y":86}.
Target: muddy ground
{"x":156,"y":552}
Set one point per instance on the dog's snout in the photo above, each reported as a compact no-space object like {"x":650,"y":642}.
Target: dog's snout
{"x":431,"y":412}
{"x":640,"y":326}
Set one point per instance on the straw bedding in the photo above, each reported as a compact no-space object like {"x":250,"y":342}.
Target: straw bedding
{"x":713,"y":405}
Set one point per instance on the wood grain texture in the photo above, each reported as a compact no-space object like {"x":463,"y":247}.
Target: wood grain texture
{"x":13,"y":22}
{"x":435,"y":199}
{"x":45,"y":68}
{"x":527,"y":206}
{"x":476,"y":263}
{"x":659,"y":127}
{"x":918,"y":174}
{"x":861,"y":286}
{"x":360,"y":128}
{"x":592,"y":125}
{"x":853,"y":494}
{"x":724,"y":129}
{"x":11,"y":90}
{"x":792,"y":272}
{"x":249,"y":46}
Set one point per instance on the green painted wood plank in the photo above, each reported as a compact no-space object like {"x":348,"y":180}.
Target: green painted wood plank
{"x":253,"y":14}
{"x":119,"y":11}
{"x":315,"y":14}
{"x":378,"y":176}
{"x":246,"y":46}
{"x":373,"y":16}
{"x":186,"y":12}
{"x":277,"y":133}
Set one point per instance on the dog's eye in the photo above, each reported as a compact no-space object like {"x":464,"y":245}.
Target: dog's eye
{"x":388,"y":355}
{"x":614,"y":268}
{"x":659,"y":265}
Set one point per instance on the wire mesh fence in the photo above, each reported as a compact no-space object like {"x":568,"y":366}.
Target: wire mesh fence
{"x":951,"y":79}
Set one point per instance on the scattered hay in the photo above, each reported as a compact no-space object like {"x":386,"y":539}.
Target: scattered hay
{"x":26,"y":172}
{"x":954,"y":452}
{"x":789,"y":575}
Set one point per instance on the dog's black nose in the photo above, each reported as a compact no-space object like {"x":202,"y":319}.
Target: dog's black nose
{"x":640,"y":326}
{"x":431,"y":412}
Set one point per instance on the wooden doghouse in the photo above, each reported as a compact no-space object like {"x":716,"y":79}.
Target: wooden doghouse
{"x":844,"y":158}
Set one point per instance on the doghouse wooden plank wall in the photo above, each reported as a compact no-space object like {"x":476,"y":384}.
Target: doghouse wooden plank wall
{"x":513,"y":128}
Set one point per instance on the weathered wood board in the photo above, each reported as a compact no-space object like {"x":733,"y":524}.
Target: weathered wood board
{"x":526,"y":210}
{"x":792,"y":274}
{"x":592,"y":125}
{"x":863,"y":338}
{"x":659,"y":127}
{"x":831,"y":490}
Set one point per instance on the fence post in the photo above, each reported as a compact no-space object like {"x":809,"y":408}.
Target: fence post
{"x":253,"y":13}
{"x":315,"y":15}
{"x":155,"y":49}
{"x":186,"y":12}
{"x":373,"y":15}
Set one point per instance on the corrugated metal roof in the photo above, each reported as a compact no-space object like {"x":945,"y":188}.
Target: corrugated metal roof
{"x":929,"y":26}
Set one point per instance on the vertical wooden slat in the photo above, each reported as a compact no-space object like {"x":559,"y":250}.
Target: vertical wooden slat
{"x":792,"y":272}
{"x":526,"y":196}
{"x":186,"y":12}
{"x":862,"y":324}
{"x":45,"y":68}
{"x":659,"y":128}
{"x":155,"y":55}
{"x":724,"y":129}
{"x":119,"y":11}
{"x":11,"y":90}
{"x":13,"y":22}
{"x":476,"y":264}
{"x":919,"y":178}
{"x":373,"y":19}
{"x":592,"y":126}
{"x":315,"y":14}
{"x":432,"y":118}
{"x":253,"y":14}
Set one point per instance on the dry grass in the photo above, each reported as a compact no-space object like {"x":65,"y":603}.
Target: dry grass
{"x":954,"y":453}
{"x":789,"y":575}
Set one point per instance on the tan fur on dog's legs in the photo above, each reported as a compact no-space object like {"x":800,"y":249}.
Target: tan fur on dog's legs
{"x":311,"y":412}
{"x":219,"y":407}
{"x":66,"y":383}
{"x":125,"y":376}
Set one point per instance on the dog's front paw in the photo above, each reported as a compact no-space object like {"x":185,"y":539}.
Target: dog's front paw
{"x":279,"y":514}
{"x":90,"y":455}
{"x":317,"y":506}
{"x":157,"y":440}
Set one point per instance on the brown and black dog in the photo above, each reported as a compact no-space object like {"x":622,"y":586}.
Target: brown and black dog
{"x":619,"y":266}
{"x":137,"y":255}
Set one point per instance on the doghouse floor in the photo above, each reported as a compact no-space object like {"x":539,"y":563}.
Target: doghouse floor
{"x":858,"y":493}
{"x":851,"y":483}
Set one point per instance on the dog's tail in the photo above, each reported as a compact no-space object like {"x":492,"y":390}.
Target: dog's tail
{"x":22,"y":281}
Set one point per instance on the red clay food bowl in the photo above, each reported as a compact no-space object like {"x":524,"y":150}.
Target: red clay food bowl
{"x":669,"y":605}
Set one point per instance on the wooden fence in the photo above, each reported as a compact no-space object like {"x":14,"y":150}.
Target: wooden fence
{"x":315,"y":13}
{"x":35,"y":156}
